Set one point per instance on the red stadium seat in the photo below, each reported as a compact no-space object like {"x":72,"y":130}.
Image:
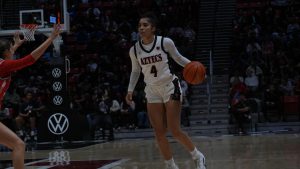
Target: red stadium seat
{"x":291,"y":105}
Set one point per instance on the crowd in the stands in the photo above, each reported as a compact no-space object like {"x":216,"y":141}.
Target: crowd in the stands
{"x":265,"y":59}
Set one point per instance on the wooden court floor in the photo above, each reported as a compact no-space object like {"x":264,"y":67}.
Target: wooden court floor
{"x":272,"y":151}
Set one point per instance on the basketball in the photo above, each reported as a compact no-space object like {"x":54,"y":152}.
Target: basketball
{"x":194,"y":72}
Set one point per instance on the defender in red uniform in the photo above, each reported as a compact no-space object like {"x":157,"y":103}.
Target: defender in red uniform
{"x":7,"y":66}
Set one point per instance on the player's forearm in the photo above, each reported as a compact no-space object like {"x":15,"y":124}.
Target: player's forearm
{"x":134,"y":77}
{"x":38,"y":52}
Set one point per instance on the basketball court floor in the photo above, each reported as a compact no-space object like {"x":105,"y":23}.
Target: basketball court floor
{"x":272,"y":151}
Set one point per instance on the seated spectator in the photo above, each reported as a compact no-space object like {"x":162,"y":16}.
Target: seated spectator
{"x":27,"y":116}
{"x":236,"y":78}
{"x":253,"y":50}
{"x":240,"y":111}
{"x":255,"y":68}
{"x":134,"y":37}
{"x":142,"y":116}
{"x":251,"y":81}
{"x":128,"y":114}
{"x":12,"y":99}
{"x":105,"y":122}
{"x":115,"y":113}
{"x":292,"y":28}
{"x":239,"y":87}
{"x":287,"y":86}
{"x":189,"y":33}
{"x":89,"y":109}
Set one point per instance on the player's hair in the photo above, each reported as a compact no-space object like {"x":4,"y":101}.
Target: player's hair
{"x":151,"y":17}
{"x":4,"y":45}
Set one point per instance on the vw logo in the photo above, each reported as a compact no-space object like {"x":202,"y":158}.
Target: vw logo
{"x":58,"y":123}
{"x":57,"y":86}
{"x":57,"y":100}
{"x":56,"y":72}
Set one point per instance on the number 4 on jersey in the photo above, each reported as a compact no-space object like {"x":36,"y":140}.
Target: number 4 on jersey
{"x":154,"y":70}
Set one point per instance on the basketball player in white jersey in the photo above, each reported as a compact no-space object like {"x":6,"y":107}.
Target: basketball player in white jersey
{"x":150,"y":55}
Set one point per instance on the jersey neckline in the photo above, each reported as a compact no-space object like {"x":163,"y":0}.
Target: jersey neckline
{"x":153,"y":45}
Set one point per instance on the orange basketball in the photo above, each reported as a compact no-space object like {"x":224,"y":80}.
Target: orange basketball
{"x":194,"y":72}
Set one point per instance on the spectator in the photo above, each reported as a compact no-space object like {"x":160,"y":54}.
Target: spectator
{"x":89,"y":109}
{"x":12,"y":99}
{"x":115,"y":111}
{"x":27,"y":116}
{"x":106,"y":122}
{"x":240,"y":111}
{"x":142,"y":117}
{"x":287,"y":86}
{"x":251,"y":81}
{"x":253,"y":50}
{"x":127,"y":113}
{"x":236,"y":78}
{"x":188,"y":33}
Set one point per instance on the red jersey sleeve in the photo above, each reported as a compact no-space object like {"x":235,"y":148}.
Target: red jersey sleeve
{"x":9,"y":66}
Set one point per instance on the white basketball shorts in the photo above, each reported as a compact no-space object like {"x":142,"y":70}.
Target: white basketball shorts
{"x":163,"y":93}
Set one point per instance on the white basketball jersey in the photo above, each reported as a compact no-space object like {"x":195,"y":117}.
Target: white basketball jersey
{"x":154,"y":62}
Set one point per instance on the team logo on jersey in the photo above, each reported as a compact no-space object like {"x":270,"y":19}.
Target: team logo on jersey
{"x":58,"y":123}
{"x":56,"y":72}
{"x":57,"y":86}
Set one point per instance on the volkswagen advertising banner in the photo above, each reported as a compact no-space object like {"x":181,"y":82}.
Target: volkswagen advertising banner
{"x":59,"y":123}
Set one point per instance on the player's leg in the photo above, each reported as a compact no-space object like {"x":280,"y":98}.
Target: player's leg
{"x":157,"y":118}
{"x":173,"y":108}
{"x":173,"y":112}
{"x":156,"y":113}
{"x":172,"y":99}
{"x":13,"y":142}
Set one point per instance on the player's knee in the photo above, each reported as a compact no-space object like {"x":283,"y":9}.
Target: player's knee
{"x":161,"y":133}
{"x":176,"y":132}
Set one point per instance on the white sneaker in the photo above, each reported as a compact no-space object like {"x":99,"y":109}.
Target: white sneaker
{"x":200,"y":162}
{"x":171,"y":166}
